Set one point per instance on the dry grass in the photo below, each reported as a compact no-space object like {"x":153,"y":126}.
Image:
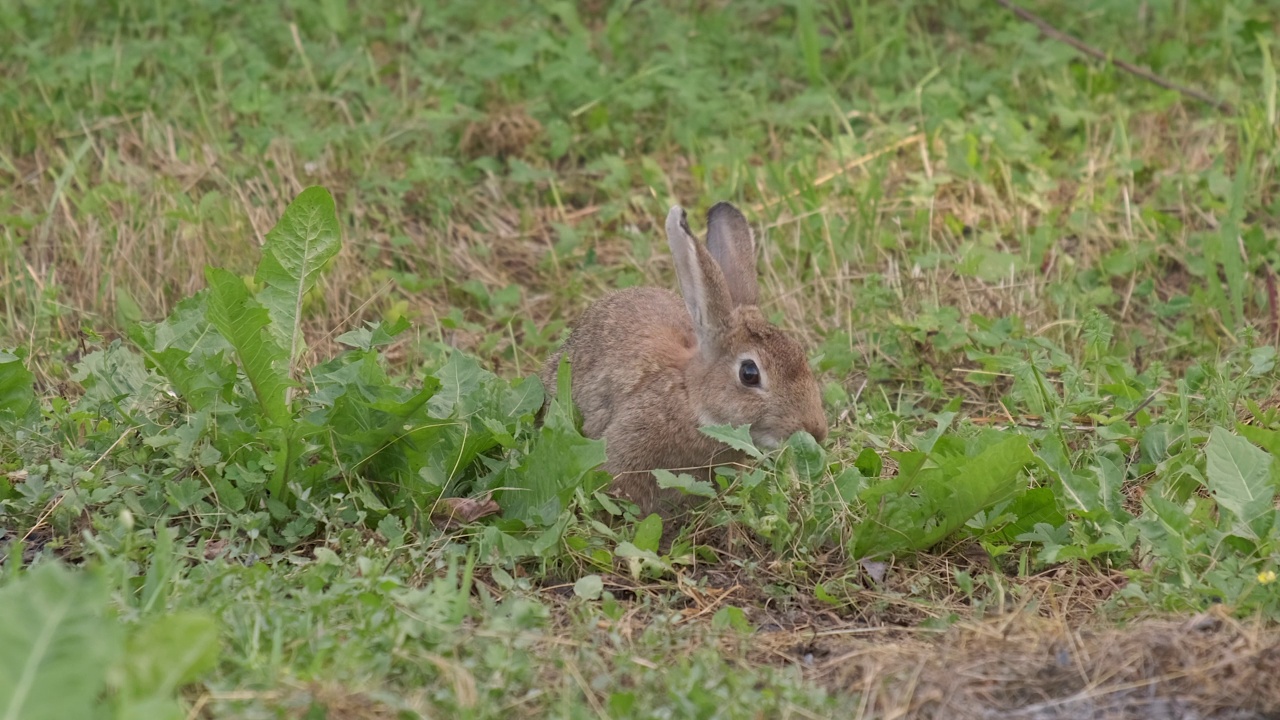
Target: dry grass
{"x":1049,"y":657}
{"x":300,"y":702}
{"x":502,"y":132}
{"x":1022,"y":666}
{"x":87,"y":250}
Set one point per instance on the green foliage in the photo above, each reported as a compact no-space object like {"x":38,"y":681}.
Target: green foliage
{"x":54,"y":659}
{"x":67,"y":652}
{"x":1038,"y":322}
{"x":589,"y":587}
{"x":552,"y":471}
{"x":295,"y":252}
{"x":191,"y":350}
{"x":401,"y":449}
{"x":684,"y":482}
{"x":188,"y":352}
{"x":243,"y":323}
{"x":162,"y":657}
{"x":738,"y":438}
{"x":1240,"y":477}
{"x":938,"y":490}
{"x":16,"y":394}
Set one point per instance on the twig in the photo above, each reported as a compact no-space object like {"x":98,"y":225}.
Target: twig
{"x":1145,"y":74}
{"x":707,"y":607}
{"x":1134,"y":412}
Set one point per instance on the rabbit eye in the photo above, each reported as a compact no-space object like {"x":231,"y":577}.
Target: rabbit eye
{"x":749,"y":374}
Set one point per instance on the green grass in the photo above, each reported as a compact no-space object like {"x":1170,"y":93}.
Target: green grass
{"x":1038,"y":290}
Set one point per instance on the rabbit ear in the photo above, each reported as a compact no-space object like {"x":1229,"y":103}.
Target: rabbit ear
{"x":701,"y":282}
{"x":732,"y":244}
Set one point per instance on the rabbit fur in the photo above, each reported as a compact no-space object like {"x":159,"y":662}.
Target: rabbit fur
{"x":649,"y":367}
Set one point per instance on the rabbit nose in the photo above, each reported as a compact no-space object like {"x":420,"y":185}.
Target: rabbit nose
{"x":817,"y":428}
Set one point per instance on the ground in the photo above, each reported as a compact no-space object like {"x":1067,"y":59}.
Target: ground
{"x":1038,"y":290}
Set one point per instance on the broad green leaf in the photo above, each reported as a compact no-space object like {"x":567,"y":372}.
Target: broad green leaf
{"x":1079,"y":492}
{"x":188,"y":351}
{"x":1036,"y":506}
{"x":730,"y":616}
{"x":910,"y":463}
{"x":550,"y":537}
{"x":917,"y":511}
{"x":228,"y":495}
{"x":1166,"y":525}
{"x":56,"y":647}
{"x":374,"y":334}
{"x":170,"y":652}
{"x":460,"y":378}
{"x":1268,"y":440}
{"x":849,"y":483}
{"x":649,"y":533}
{"x":589,"y":587}
{"x":640,"y":561}
{"x":187,"y":328}
{"x":1239,"y":476}
{"x":869,"y":463}
{"x":114,"y":377}
{"x":929,"y":439}
{"x":685,"y":483}
{"x":622,"y":703}
{"x":524,"y":397}
{"x":558,"y":463}
{"x":984,"y":480}
{"x":295,"y":252}
{"x":738,"y":438}
{"x":484,"y":412}
{"x":1110,"y":476}
{"x":374,"y":426}
{"x":243,"y":322}
{"x":16,"y":386}
{"x":392,"y":529}
{"x":807,"y":456}
{"x":1155,"y":442}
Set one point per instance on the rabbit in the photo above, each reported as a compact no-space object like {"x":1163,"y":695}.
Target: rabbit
{"x":648,"y":368}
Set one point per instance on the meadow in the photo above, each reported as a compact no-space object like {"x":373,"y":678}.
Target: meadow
{"x":276,"y":280}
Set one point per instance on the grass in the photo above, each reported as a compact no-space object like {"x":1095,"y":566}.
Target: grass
{"x":1039,"y":291}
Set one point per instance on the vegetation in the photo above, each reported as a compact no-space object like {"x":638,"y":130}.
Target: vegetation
{"x":277,"y":279}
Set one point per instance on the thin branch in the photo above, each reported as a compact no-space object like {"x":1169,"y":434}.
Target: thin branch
{"x":1052,"y":32}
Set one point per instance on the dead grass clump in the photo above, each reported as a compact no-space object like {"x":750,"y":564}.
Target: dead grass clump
{"x":504,"y":131}
{"x":340,"y":702}
{"x":1035,"y":668}
{"x":293,"y":700}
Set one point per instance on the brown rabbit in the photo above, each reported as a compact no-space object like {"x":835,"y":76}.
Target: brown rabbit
{"x":649,"y":369}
